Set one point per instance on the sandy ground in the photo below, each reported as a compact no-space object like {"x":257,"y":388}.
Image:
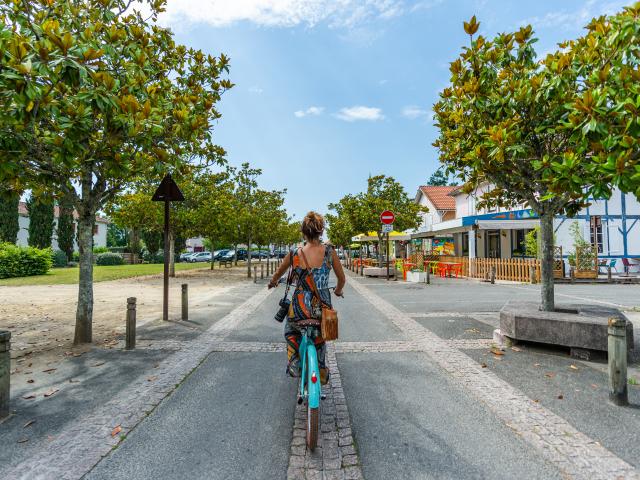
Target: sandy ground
{"x":42,"y":318}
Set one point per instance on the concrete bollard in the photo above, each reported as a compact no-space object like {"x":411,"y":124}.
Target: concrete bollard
{"x":609,"y":273}
{"x":5,"y":372}
{"x":130,"y":335}
{"x":428,"y":276}
{"x":185,"y":302}
{"x":532,"y":274}
{"x":617,"y":354}
{"x":493,"y":275}
{"x":255,"y":274}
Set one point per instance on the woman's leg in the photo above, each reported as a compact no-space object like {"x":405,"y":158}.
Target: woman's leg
{"x":292,"y":336}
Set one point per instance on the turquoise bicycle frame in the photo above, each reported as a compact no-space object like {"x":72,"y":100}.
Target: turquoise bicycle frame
{"x":308,"y":368}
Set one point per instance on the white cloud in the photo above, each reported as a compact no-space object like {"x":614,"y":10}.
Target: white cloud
{"x":412,"y":112}
{"x":575,"y":19}
{"x":352,"y":114}
{"x":281,"y":13}
{"x":311,"y":111}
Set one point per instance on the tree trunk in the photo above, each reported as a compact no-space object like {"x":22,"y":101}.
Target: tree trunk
{"x":84,"y":311}
{"x":249,"y":258}
{"x":546,"y":261}
{"x":172,"y":254}
{"x":235,"y":254}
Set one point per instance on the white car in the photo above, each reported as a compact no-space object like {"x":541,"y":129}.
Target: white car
{"x":200,"y":257}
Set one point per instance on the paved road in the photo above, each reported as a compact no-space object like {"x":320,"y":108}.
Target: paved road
{"x":410,"y":413}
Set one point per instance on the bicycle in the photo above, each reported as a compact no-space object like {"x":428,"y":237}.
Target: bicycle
{"x":310,"y":389}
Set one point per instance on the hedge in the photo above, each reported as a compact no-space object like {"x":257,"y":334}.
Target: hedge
{"x":23,"y":261}
{"x":109,"y":258}
{"x":59,"y":259}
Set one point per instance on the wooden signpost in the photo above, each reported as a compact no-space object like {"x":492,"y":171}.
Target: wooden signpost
{"x":167,"y":192}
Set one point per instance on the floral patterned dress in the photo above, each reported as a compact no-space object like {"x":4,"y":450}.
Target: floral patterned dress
{"x":305,"y":305}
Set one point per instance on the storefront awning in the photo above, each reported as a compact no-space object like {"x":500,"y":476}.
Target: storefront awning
{"x":507,"y":224}
{"x":373,"y":237}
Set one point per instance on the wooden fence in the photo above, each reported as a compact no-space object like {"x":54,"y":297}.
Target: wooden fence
{"x":512,"y":269}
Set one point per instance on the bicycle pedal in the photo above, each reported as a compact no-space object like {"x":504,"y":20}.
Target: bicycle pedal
{"x":299,"y":400}
{"x":323,"y":396}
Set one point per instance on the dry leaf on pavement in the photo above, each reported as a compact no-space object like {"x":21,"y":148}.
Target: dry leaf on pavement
{"x":31,"y":380}
{"x":496,"y":351}
{"x":560,"y":397}
{"x":23,"y":440}
{"x":549,"y":374}
{"x":49,"y":370}
{"x":98,"y":364}
{"x":29,"y":397}
{"x":573,"y":367}
{"x":516,"y":349}
{"x":116,"y":431}
{"x":29,"y":423}
{"x":51,"y":392}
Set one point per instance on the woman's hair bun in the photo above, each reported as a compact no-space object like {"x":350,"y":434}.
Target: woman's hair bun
{"x":312,"y":225}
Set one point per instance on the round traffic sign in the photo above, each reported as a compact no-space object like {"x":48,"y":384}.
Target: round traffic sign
{"x":387,"y":217}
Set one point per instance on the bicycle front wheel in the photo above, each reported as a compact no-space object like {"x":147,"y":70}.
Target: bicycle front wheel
{"x":313,"y":426}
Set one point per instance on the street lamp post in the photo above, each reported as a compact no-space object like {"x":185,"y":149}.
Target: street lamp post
{"x":167,"y":192}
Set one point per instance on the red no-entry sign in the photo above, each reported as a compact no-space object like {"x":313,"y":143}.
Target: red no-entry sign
{"x":387,"y":217}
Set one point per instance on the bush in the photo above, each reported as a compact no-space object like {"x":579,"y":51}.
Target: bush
{"x":23,"y":261}
{"x":109,"y":258}
{"x":59,"y":259}
{"x":98,"y":250}
{"x":76,"y":256}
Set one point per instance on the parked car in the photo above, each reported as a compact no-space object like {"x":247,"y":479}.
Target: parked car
{"x":218,"y":254}
{"x":280,"y":253}
{"x":242,"y":254}
{"x":227,"y":256}
{"x":201,"y":257}
{"x":184,"y":257}
{"x":259,"y":254}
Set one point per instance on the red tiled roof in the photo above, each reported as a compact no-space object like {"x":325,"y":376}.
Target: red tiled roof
{"x":22,"y":210}
{"x":439,"y":196}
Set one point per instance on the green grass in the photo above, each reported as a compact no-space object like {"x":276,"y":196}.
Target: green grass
{"x":64,"y":276}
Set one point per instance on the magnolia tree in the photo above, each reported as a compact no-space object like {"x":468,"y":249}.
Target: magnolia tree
{"x":603,"y":69}
{"x":361,"y":212}
{"x":501,"y":122}
{"x":93,"y":94}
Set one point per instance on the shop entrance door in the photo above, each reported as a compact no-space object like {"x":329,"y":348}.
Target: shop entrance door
{"x":493,"y":243}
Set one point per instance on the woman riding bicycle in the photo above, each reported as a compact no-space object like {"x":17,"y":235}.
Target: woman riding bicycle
{"x":304,"y":304}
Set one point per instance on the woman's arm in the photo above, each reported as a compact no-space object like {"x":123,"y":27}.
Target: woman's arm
{"x":286,"y":261}
{"x":337,"y":268}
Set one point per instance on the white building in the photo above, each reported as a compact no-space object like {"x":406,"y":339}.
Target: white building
{"x":613,"y":225}
{"x":99,"y":229}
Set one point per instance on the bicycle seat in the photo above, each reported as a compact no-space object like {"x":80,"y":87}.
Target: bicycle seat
{"x":311,"y":322}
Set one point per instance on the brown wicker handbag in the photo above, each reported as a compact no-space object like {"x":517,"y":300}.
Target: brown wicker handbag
{"x":329,"y":323}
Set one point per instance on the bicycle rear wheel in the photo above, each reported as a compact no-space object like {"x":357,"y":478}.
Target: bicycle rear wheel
{"x":313,"y":426}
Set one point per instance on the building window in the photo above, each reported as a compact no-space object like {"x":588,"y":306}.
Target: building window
{"x":95,"y":229}
{"x":596,"y":232}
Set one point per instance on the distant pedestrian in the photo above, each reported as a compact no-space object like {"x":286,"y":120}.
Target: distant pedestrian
{"x":304,"y":304}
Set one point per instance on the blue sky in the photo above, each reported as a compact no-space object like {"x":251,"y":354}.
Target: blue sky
{"x":330,"y":91}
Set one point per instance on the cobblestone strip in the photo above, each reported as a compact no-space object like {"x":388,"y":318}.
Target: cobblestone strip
{"x":249,"y":347}
{"x":574,"y":453}
{"x":335,"y":457}
{"x":84,"y":442}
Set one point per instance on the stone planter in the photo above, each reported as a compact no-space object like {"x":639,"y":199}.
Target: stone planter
{"x":416,"y":277}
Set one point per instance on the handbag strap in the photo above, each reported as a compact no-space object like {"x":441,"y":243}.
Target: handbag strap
{"x":289,"y":276}
{"x":313,"y":282}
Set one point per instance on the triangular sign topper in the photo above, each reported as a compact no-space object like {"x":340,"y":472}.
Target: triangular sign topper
{"x":168,"y":191}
